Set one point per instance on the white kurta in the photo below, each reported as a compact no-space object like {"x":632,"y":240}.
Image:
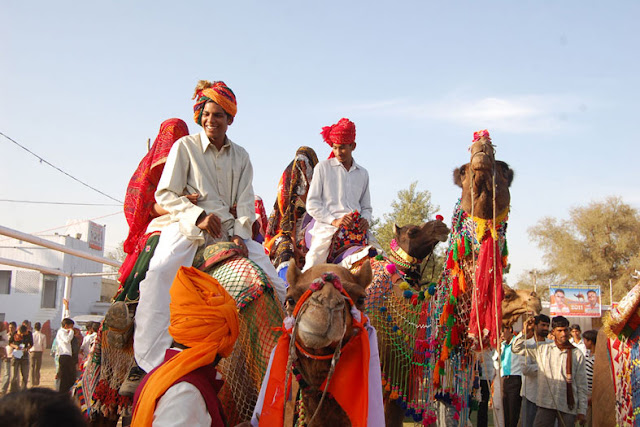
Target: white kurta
{"x":333,"y":193}
{"x":181,"y":405}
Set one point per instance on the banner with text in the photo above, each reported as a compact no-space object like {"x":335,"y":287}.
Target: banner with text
{"x":575,"y":301}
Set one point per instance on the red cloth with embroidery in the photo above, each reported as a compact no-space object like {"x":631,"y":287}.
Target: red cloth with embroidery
{"x":487,"y":297}
{"x":141,"y":189}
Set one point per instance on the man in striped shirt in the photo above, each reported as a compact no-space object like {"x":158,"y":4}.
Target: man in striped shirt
{"x":589,"y":338}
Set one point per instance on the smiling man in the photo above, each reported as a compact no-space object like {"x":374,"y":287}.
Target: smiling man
{"x":220,"y":172}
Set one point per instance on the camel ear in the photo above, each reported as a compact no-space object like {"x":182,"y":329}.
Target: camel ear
{"x":458,"y":174}
{"x":293,"y":273}
{"x":396,"y":229}
{"x":508,"y":172}
{"x":364,"y":276}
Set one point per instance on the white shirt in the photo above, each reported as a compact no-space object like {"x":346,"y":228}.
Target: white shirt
{"x":181,"y":405}
{"x":335,"y":192}
{"x":222,"y":178}
{"x":581,"y":346}
{"x":39,"y":341}
{"x":87,"y":343}
{"x":64,"y":337}
{"x":530,"y":371}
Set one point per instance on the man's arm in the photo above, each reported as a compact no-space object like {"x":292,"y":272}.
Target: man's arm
{"x":245,"y":202}
{"x":171,"y":186}
{"x":315,"y":201}
{"x":366,"y":210}
{"x":581,"y":383}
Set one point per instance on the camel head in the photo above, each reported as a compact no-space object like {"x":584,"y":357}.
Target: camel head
{"x":325,"y":318}
{"x":419,"y":241}
{"x":477,"y":175}
{"x":518,"y":302}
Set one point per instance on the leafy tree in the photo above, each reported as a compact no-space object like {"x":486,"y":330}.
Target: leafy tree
{"x":598,"y":243}
{"x":118,"y":254}
{"x":411,"y":207}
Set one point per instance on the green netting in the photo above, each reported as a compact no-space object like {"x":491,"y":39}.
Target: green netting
{"x":260,"y":312}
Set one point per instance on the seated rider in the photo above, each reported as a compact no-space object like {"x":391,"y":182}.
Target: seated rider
{"x":339,"y":193}
{"x":220,"y":172}
{"x":183,"y":390}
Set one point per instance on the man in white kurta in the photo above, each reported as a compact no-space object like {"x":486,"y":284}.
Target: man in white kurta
{"x":220,"y":172}
{"x":339,"y":187}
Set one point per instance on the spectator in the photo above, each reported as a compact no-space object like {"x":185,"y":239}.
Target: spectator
{"x":4,"y":342}
{"x":21,"y":342}
{"x":530,"y":369}
{"x":88,"y":341}
{"x":39,"y":344}
{"x":487,"y":374}
{"x":6,"y":377}
{"x":511,"y":376}
{"x":576,"y":338}
{"x":41,"y":407}
{"x":590,"y":338}
{"x":67,"y":367}
{"x":562,"y":379}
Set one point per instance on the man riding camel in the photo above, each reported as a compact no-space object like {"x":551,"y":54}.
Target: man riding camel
{"x":339,"y":193}
{"x":220,"y":172}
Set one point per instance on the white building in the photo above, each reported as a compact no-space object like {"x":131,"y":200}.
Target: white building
{"x":32,"y":295}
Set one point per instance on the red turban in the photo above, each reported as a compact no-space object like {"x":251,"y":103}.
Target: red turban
{"x":343,"y":132}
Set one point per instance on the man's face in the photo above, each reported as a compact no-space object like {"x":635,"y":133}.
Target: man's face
{"x":12,"y":329}
{"x":576,"y":334}
{"x":215,"y":121}
{"x":561,"y":335}
{"x":343,"y":152}
{"x":542,"y":329}
{"x":589,"y":344}
{"x":593,"y":299}
{"x":507,"y":334}
{"x":559,"y":298}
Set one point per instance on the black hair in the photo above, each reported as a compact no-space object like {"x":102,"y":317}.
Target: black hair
{"x":591,"y":290}
{"x":559,"y":322}
{"x":66,"y":322}
{"x":590,"y":335}
{"x":575,"y":326}
{"x":558,"y":290}
{"x":22,"y":329}
{"x":542,"y":318}
{"x":37,"y":326}
{"x":41,"y":407}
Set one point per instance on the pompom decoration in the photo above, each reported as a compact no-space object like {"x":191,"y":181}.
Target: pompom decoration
{"x":391,"y":268}
{"x":439,"y":218}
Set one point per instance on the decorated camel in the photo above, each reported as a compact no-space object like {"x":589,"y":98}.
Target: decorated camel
{"x":465,"y":315}
{"x":324,"y":369}
{"x":616,"y":371}
{"x":260,"y":312}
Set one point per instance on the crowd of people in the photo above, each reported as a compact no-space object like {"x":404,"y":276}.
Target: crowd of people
{"x":545,"y":375}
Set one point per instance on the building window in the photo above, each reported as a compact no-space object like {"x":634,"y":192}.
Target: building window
{"x":49,"y":291}
{"x":5,"y":282}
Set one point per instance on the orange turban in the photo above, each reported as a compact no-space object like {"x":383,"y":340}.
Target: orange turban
{"x":219,"y":93}
{"x":343,"y":132}
{"x":204,"y":318}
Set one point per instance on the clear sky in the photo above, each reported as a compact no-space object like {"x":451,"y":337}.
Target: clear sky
{"x":84,"y":84}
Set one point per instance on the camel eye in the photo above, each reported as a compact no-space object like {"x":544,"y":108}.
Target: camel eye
{"x":360,"y":301}
{"x":290,"y":302}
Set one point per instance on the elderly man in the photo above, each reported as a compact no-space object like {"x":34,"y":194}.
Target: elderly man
{"x":220,"y":172}
{"x":562,"y":379}
{"x":204,"y":326}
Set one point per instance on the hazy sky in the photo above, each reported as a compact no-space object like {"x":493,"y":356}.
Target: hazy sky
{"x":84,"y":84}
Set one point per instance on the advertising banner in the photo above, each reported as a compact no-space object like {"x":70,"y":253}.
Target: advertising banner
{"x":575,"y":301}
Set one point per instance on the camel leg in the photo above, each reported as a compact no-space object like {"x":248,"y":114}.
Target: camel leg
{"x":393,"y":414}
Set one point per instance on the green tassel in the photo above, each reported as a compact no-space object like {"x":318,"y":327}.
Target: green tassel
{"x":467,"y":246}
{"x":450,"y":321}
{"x":452,"y":300}
{"x":449,"y":339}
{"x":505,"y":250}
{"x":455,"y":252}
{"x":441,"y":371}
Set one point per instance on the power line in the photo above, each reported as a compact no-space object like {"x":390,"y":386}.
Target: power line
{"x":58,"y":169}
{"x":58,"y":203}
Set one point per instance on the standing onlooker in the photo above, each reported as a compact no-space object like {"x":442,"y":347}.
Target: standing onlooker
{"x":6,"y":363}
{"x":511,"y":375}
{"x":67,"y":367}
{"x":21,"y":342}
{"x":487,"y":373}
{"x":88,"y":340}
{"x":562,"y":379}
{"x":4,"y":341}
{"x":576,"y":338}
{"x":39,"y":344}
{"x":590,"y":338}
{"x":529,"y":390}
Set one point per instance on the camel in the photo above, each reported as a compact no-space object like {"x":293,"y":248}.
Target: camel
{"x":466,"y":312}
{"x":323,"y":343}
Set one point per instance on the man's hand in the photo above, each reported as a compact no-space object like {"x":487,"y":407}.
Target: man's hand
{"x":240,"y":242}
{"x":364,"y":225}
{"x":528,"y":327}
{"x":193,"y":198}
{"x":210,"y":224}
{"x":580,"y":418}
{"x":346,"y":221}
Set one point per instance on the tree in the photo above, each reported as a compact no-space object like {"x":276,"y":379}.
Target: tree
{"x":410,"y":207}
{"x":117,"y":255}
{"x":600,"y":242}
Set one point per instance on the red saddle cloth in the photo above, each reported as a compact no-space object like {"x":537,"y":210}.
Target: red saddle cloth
{"x":346,"y":238}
